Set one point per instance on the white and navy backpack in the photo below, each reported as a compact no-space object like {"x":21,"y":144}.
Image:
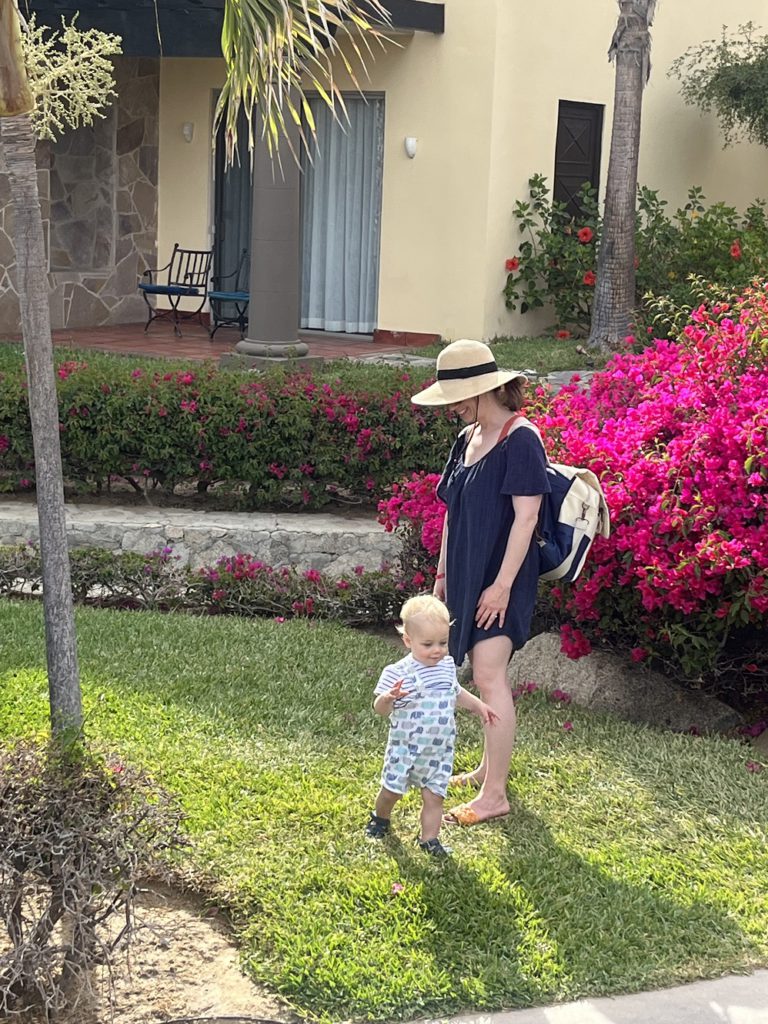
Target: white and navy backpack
{"x":571,"y":516}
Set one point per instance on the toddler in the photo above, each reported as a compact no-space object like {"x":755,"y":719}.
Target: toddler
{"x":420,"y":693}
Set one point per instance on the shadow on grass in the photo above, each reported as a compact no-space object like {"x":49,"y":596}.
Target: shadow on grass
{"x":537,"y":922}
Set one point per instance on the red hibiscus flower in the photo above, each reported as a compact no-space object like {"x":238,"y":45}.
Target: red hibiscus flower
{"x":562,"y":334}
{"x":512,"y":264}
{"x":736,"y":250}
{"x":585,"y":235}
{"x":589,"y":278}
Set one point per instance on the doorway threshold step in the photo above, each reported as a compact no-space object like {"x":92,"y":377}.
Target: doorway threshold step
{"x":330,"y":336}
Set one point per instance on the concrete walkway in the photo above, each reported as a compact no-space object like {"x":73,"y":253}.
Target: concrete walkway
{"x":729,"y":1000}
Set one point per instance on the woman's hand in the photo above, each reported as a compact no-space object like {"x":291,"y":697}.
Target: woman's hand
{"x":438,"y":589}
{"x":492,"y":606}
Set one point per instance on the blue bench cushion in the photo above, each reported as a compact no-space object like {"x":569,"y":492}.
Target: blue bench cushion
{"x":168,"y":289}
{"x":230,"y":296}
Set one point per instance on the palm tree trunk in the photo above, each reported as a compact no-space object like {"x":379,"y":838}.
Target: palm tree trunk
{"x":612,"y":310}
{"x":18,"y":141}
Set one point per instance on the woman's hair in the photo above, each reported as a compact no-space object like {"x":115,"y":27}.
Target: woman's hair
{"x":423,"y":606}
{"x":512,"y":394}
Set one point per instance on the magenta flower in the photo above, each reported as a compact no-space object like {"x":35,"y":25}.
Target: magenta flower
{"x":754,"y":766}
{"x":568,"y":726}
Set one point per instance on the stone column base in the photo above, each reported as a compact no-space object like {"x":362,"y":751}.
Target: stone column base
{"x":272,"y":349}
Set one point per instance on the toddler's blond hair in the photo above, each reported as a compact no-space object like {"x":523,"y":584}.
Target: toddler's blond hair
{"x":425,"y":606}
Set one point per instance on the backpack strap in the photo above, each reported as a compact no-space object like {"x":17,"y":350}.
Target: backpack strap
{"x":519,"y":420}
{"x":509,"y":425}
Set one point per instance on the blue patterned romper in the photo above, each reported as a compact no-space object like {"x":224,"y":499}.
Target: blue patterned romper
{"x":422,"y":726}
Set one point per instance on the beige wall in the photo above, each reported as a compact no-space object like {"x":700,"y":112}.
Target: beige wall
{"x":556,"y":50}
{"x":482,"y":101}
{"x":185,"y":172}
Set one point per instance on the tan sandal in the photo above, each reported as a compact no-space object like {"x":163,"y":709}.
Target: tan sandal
{"x":465,"y":780}
{"x":464,"y":815}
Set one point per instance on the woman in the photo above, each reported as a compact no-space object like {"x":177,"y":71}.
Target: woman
{"x":488,"y":569}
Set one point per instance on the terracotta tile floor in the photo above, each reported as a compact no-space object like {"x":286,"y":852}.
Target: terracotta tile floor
{"x":130,"y":339}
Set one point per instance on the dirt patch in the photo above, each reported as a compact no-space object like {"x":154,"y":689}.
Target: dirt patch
{"x":183,"y":962}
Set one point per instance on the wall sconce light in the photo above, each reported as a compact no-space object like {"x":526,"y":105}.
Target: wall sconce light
{"x":410,"y":146}
{"x":188,"y":131}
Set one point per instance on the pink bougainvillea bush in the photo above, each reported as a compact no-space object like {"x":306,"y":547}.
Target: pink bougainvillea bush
{"x":414,"y":511}
{"x":274,"y":439}
{"x":679,"y":436}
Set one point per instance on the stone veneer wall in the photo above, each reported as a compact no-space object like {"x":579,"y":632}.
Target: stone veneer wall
{"x":312,"y":541}
{"x":98,"y":196}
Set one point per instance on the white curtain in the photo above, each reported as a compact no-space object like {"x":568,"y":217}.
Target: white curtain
{"x":341,"y":219}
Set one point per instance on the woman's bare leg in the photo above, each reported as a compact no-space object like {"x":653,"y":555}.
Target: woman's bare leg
{"x":490,"y":659}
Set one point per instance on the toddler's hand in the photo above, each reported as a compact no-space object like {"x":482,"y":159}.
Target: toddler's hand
{"x":397,"y":692}
{"x":488,"y":715}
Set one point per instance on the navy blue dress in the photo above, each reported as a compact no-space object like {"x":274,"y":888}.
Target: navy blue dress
{"x":480,"y":516}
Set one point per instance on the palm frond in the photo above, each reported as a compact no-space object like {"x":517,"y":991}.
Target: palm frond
{"x":277,"y":50}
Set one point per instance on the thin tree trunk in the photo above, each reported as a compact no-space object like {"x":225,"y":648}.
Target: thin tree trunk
{"x":613,"y":307}
{"x":18,"y":142}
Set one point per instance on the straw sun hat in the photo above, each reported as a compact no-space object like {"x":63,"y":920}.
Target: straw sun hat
{"x":465,"y":369}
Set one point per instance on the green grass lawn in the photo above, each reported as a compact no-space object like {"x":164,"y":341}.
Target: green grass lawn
{"x":12,"y":358}
{"x":545,"y":354}
{"x":631,"y":858}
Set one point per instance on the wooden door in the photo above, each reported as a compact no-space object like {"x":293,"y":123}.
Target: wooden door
{"x":577,"y":150}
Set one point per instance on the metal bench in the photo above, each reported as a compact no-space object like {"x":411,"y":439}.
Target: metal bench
{"x":229,"y":297}
{"x":186,"y":276}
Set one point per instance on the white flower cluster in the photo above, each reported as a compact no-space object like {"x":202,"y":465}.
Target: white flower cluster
{"x":70,"y":75}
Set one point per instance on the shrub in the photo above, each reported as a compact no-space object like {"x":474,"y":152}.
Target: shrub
{"x":77,"y":832}
{"x":278,"y":438}
{"x":416,"y":514}
{"x":558,"y":256}
{"x":242,"y":585}
{"x":666,"y":315}
{"x":237,"y":585}
{"x":679,"y":436}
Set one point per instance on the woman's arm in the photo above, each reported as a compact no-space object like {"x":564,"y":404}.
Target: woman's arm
{"x":493,"y":602}
{"x":439,"y":588}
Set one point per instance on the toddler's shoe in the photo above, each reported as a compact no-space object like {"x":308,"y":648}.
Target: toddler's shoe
{"x":378,"y":827}
{"x":434,"y":848}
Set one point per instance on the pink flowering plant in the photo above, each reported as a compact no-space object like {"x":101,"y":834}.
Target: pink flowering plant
{"x":679,"y":436}
{"x":416,"y":514}
{"x":238,"y":584}
{"x":243,"y":585}
{"x":678,"y":433}
{"x":277,"y":439}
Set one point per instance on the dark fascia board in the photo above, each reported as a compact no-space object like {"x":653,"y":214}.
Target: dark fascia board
{"x":190,"y":28}
{"x":413,"y":14}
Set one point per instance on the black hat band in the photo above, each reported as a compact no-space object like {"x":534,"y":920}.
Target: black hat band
{"x":464,"y":372}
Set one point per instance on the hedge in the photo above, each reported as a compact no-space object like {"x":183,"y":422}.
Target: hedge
{"x":278,"y":438}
